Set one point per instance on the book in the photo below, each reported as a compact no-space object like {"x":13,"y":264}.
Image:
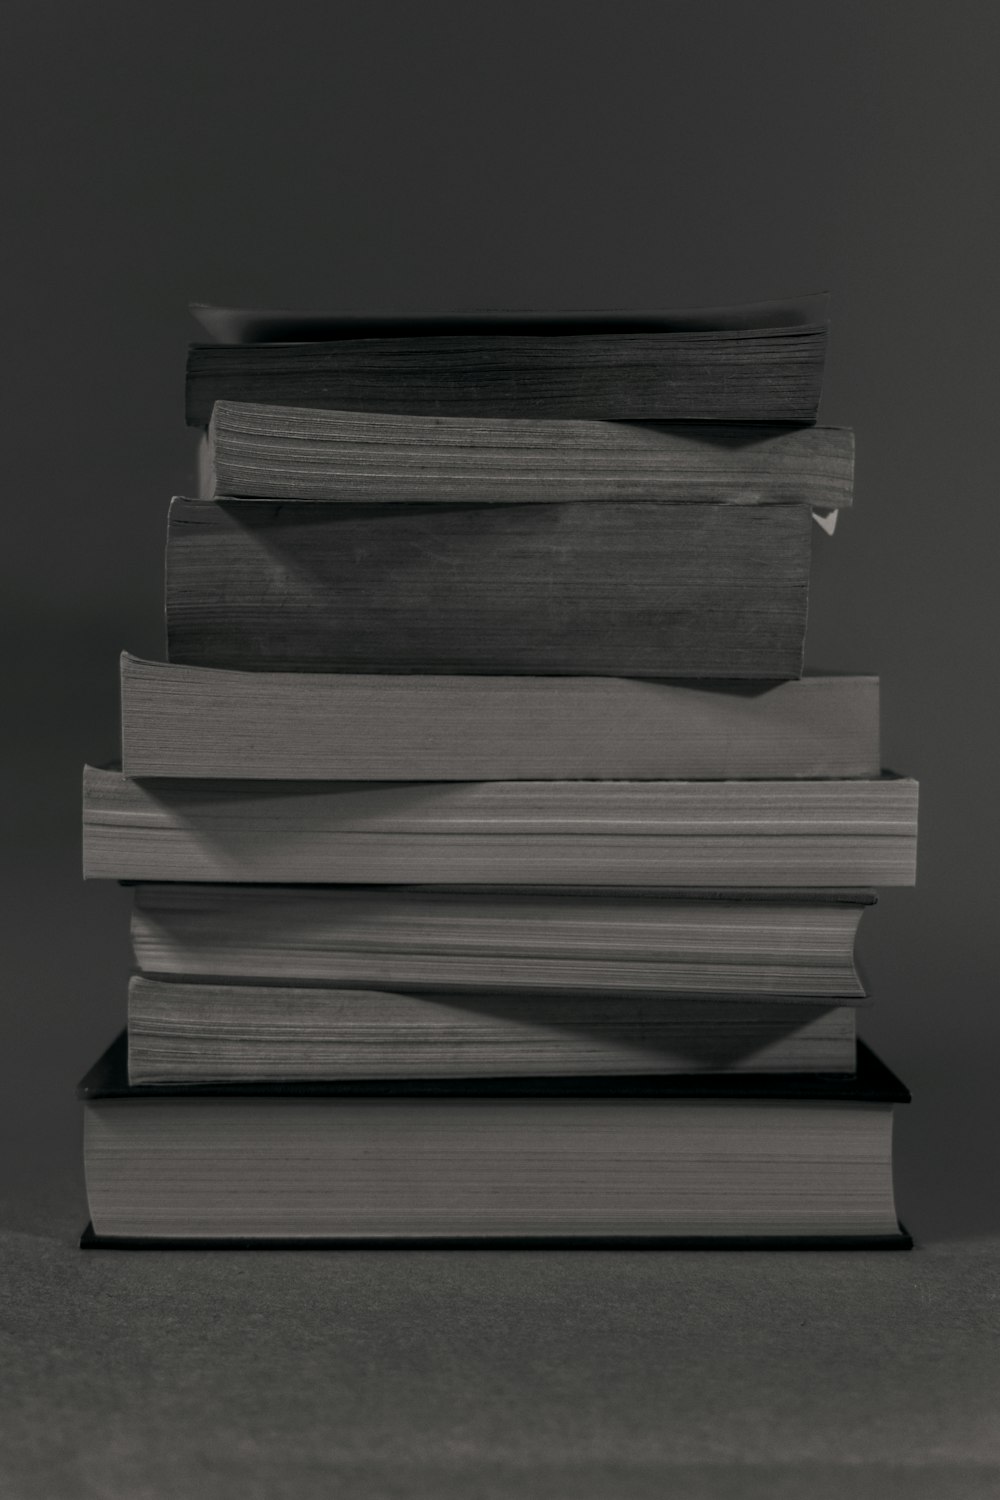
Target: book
{"x":191,"y":1031}
{"x":300,"y":453}
{"x":246,"y":325}
{"x":515,"y":940}
{"x":632,"y":589}
{"x":663,"y":367}
{"x":760,"y":1160}
{"x":212,"y":722}
{"x":628,"y":833}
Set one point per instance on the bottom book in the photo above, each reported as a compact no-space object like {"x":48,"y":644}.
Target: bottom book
{"x":760,"y":1161}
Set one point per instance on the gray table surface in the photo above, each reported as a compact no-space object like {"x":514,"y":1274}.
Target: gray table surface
{"x":260,"y":1374}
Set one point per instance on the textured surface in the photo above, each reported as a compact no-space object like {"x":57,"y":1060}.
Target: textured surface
{"x":191,"y":1030}
{"x":195,"y":721}
{"x":626,"y":588}
{"x":255,"y":1375}
{"x":416,"y":938}
{"x":298,"y":453}
{"x":763,"y":375}
{"x":573,"y":833}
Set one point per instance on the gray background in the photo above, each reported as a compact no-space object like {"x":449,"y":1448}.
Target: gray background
{"x":436,"y":156}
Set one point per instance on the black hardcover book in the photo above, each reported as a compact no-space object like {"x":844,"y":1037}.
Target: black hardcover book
{"x":758,"y":1160}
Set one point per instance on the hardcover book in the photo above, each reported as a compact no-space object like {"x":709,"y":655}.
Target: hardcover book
{"x":755,"y":1160}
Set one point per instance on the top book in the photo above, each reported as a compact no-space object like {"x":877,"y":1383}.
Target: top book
{"x":756,"y":363}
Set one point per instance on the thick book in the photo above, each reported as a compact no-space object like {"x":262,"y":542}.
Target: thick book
{"x":603,"y":833}
{"x":212,"y":722}
{"x":299,"y":453}
{"x":622,"y":588}
{"x":646,"y":1161}
{"x":736,"y":365}
{"x":196,"y":1031}
{"x":578,"y":942}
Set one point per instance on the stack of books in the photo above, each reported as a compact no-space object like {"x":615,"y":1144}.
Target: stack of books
{"x":496,"y":869}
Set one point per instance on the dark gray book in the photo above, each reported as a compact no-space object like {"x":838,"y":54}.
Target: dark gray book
{"x":743,"y":945}
{"x":298,"y":453}
{"x":631,"y":588}
{"x":246,"y":325}
{"x":731,"y":365}
{"x":198,"y":1031}
{"x":211,"y":722}
{"x":605,"y":833}
{"x":646,"y":1161}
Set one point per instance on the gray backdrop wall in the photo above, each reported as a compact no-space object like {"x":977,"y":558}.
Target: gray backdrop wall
{"x":552,"y":155}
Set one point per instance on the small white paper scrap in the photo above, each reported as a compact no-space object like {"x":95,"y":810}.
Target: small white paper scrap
{"x":826,"y":520}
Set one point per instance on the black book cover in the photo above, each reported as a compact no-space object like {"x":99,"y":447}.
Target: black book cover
{"x":901,"y":1241}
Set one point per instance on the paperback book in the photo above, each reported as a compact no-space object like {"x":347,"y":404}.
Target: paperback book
{"x":182,"y":721}
{"x":628,"y":833}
